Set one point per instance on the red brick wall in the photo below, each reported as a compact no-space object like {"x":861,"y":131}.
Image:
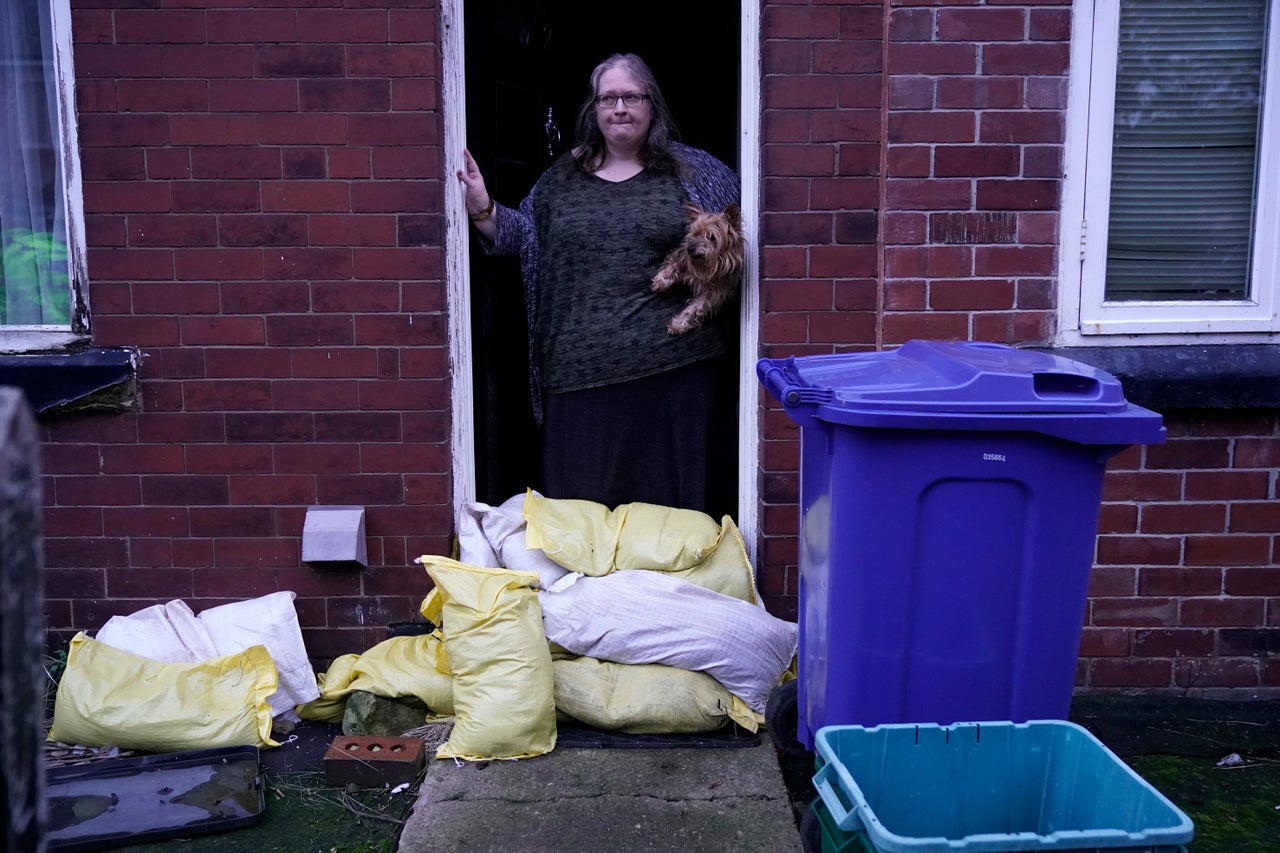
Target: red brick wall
{"x":262,"y":194}
{"x":1185,"y":592}
{"x":912,"y":173}
{"x":973,"y":136}
{"x":823,"y":132}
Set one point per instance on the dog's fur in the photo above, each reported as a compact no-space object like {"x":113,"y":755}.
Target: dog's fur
{"x":709,"y":260}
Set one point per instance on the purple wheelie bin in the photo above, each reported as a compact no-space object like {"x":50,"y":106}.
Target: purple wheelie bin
{"x":949,"y":497}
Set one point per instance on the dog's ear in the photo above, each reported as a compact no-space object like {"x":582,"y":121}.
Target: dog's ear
{"x":691,"y":211}
{"x":734,"y":215}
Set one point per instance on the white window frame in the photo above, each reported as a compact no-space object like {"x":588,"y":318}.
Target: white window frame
{"x":52,"y":337}
{"x":1085,"y":317}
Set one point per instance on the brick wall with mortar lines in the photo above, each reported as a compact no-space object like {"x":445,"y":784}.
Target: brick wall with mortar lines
{"x":263,"y":191}
{"x":940,"y":220}
{"x":822,"y":138}
{"x":974,"y":137}
{"x":262,"y":202}
{"x":1185,"y":592}
{"x":912,"y":157}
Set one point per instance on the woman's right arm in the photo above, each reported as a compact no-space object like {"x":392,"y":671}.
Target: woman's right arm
{"x":476,"y":199}
{"x":503,"y":230}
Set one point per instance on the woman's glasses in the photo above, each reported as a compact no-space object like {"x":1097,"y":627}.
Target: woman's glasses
{"x":630,"y":100}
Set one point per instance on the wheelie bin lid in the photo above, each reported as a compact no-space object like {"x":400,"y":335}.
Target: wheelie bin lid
{"x":961,"y":385}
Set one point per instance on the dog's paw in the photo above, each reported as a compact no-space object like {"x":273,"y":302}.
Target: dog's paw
{"x":662,"y":281}
{"x":680,"y":324}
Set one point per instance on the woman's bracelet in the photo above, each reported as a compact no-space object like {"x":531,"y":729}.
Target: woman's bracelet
{"x":484,"y":214}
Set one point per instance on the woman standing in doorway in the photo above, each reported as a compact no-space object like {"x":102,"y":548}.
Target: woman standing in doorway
{"x":628,"y":411}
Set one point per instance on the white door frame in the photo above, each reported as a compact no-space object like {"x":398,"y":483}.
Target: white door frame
{"x":457,"y":265}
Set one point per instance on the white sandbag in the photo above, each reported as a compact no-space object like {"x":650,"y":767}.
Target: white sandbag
{"x":495,"y":537}
{"x":639,"y":616}
{"x":171,"y":633}
{"x":474,"y":547}
{"x":272,"y":621}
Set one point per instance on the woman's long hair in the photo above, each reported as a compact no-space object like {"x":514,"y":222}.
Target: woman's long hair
{"x":656,"y":154}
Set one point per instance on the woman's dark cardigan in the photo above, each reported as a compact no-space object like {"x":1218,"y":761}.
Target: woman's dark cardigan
{"x":710,"y":185}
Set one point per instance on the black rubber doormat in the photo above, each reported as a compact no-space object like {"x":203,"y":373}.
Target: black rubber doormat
{"x":577,"y":736}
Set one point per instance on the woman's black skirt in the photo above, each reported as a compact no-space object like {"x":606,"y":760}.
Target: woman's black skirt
{"x":667,"y":439}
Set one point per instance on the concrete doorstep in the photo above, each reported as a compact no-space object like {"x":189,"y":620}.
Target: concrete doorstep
{"x":603,"y":800}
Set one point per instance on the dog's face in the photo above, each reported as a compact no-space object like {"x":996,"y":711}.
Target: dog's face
{"x":713,"y":240}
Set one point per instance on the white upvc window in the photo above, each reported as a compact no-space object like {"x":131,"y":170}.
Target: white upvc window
{"x":1171,"y":203}
{"x":42,"y":269}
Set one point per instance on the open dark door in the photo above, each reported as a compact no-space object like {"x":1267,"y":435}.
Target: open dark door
{"x":528,"y":64}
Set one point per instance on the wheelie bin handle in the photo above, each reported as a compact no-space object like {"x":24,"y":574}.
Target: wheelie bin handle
{"x":777,"y":378}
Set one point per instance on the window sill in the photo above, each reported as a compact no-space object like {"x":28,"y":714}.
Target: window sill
{"x":92,"y":379}
{"x":1190,"y":377}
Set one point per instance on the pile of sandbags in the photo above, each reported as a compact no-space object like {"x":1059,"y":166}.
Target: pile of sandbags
{"x":638,"y":619}
{"x":164,"y":679}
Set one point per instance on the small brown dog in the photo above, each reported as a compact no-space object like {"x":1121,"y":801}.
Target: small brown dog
{"x":709,"y":259}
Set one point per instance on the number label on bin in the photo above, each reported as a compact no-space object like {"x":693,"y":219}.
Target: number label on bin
{"x":994,"y":457}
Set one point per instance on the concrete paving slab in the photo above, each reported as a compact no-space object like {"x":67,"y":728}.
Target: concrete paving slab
{"x":607,"y":800}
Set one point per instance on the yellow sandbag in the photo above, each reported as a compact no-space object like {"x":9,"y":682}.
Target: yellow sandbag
{"x":726,"y":569}
{"x":502,"y":677}
{"x":432,"y":609}
{"x":433,"y":605}
{"x":326,"y":709}
{"x":646,"y":698}
{"x":587,"y":537}
{"x":394,"y":668}
{"x":111,"y":697}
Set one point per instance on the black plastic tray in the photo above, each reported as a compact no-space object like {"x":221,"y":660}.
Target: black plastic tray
{"x":131,"y":800}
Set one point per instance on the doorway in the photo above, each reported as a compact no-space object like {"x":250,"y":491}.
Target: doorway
{"x":527,"y":64}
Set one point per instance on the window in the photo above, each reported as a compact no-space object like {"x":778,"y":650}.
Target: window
{"x":1172,"y":173}
{"x":41,"y":238}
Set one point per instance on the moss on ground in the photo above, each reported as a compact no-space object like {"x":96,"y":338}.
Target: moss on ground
{"x":1234,"y":808}
{"x":304,"y":815}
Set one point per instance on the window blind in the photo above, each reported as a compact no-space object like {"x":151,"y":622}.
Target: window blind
{"x":1184,"y":157}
